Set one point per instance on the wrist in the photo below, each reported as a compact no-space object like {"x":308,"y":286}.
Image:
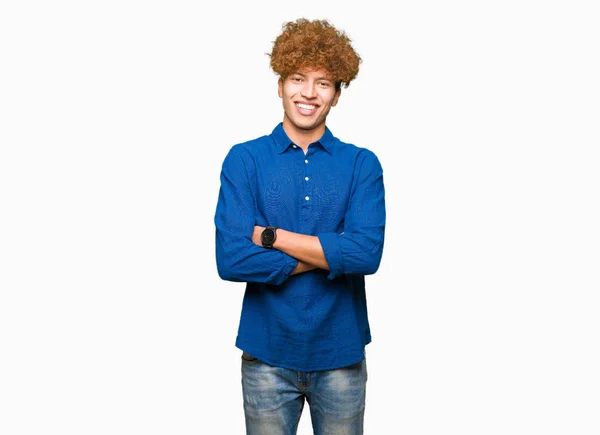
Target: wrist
{"x":282,"y":239}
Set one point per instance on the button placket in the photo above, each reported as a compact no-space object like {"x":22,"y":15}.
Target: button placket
{"x":306,"y":186}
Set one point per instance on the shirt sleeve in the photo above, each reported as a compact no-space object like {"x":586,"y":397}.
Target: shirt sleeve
{"x":238,"y":258}
{"x":359,"y":249}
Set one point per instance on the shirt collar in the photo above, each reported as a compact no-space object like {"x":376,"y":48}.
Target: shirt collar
{"x":283,"y":142}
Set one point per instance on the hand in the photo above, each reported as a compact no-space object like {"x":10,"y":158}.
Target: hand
{"x":256,"y":235}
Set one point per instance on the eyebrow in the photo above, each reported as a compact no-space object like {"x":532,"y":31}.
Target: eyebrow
{"x":318,"y":78}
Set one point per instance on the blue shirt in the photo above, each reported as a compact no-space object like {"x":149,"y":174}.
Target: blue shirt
{"x":315,"y":320}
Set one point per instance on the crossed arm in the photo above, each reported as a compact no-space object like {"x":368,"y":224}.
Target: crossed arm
{"x":306,"y":249}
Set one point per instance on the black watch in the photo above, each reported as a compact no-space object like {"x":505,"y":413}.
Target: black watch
{"x":268,"y":236}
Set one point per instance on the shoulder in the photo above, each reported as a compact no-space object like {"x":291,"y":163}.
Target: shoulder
{"x":248,"y":149}
{"x":362,"y":156}
{"x":252,"y":145}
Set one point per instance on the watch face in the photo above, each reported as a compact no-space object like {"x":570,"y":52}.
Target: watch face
{"x":268,"y":237}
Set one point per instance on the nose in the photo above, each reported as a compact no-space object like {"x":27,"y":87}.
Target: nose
{"x":309,"y":90}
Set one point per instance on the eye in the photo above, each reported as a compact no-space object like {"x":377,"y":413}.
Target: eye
{"x":324,"y":84}
{"x":296,"y":79}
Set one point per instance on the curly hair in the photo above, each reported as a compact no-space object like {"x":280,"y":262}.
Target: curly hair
{"x":314,"y":44}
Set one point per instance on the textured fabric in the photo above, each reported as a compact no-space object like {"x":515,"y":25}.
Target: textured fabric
{"x":316,"y":320}
{"x":274,"y":399}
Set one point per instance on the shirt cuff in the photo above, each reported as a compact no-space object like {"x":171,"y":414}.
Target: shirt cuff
{"x":333,"y":254}
{"x":289,"y":267}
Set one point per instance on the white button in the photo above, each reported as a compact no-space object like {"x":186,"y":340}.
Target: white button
{"x":305,"y":161}
{"x":306,"y":178}
{"x":307,"y":198}
{"x":294,"y":146}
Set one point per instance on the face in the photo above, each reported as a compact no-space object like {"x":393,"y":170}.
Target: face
{"x":307,"y":98}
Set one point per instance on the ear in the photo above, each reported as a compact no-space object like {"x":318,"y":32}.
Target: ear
{"x":280,"y":88}
{"x":336,"y":97}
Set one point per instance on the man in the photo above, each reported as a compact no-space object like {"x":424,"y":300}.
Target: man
{"x":300,"y":218}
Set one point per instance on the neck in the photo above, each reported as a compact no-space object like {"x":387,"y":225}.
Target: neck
{"x":303,"y":138}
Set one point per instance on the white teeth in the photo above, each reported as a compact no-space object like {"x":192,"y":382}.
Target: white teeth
{"x":305,"y":106}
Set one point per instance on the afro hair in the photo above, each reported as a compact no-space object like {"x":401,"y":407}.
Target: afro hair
{"x":305,"y":44}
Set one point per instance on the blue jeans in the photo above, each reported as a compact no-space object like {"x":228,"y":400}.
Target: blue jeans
{"x":274,"y":398}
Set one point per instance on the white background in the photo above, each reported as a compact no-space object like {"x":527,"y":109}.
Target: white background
{"x":115,"y":117}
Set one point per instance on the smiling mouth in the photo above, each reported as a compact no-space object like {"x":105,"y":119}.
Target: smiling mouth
{"x":306,"y":106}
